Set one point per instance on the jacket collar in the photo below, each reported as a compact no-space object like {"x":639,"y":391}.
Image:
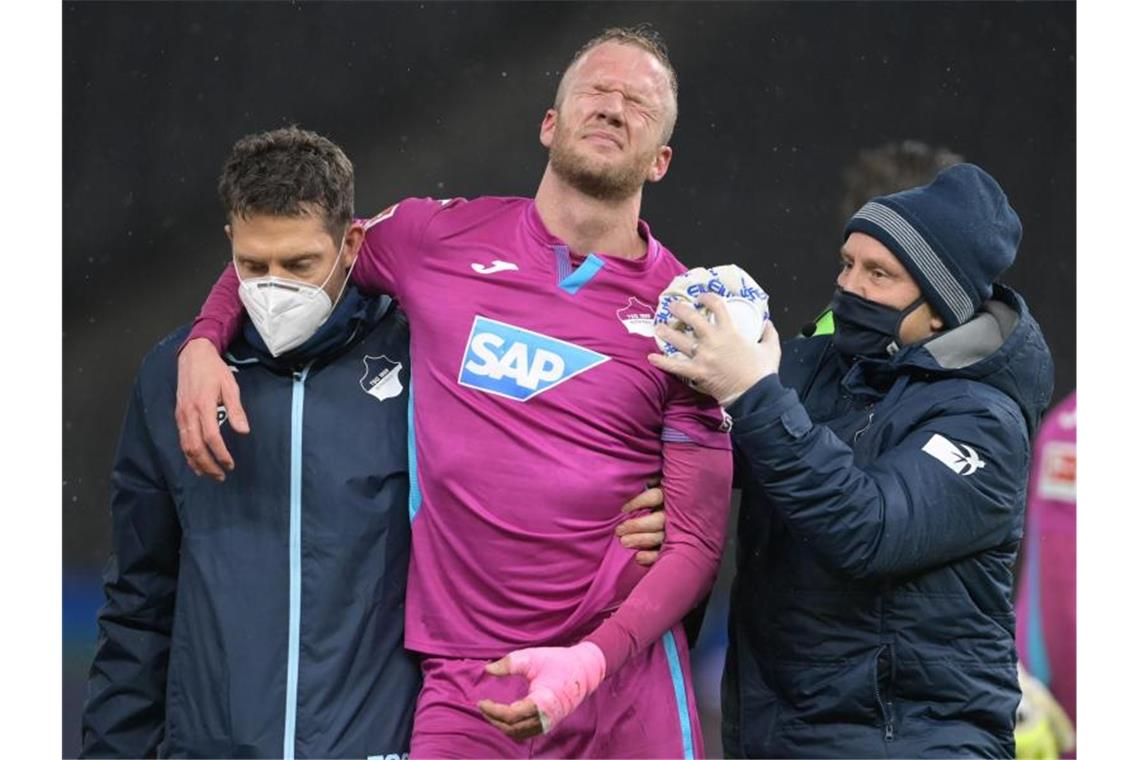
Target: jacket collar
{"x":351,"y":318}
{"x":1001,"y":346}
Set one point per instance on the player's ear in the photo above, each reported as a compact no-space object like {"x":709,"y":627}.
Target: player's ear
{"x":660,"y":164}
{"x":546,"y":131}
{"x":229,"y":233}
{"x":353,"y":242}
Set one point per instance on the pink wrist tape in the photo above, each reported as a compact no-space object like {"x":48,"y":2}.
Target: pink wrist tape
{"x":560,"y":677}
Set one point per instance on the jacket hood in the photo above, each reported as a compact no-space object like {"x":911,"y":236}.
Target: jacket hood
{"x":352,"y":318}
{"x":1002,"y":346}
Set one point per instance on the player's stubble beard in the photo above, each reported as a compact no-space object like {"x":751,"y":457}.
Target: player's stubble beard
{"x":594,"y":178}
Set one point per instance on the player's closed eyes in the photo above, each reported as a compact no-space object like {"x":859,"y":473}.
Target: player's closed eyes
{"x":633,"y":102}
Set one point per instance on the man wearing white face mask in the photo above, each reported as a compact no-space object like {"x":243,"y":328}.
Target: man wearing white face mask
{"x":286,"y":311}
{"x":237,"y":613}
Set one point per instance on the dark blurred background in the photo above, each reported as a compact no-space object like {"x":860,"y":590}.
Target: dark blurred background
{"x":445,"y":99}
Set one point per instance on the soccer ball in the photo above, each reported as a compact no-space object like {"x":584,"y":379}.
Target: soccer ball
{"x":746,"y":301}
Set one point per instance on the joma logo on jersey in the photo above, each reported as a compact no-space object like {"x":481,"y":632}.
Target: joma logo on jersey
{"x":520,"y":364}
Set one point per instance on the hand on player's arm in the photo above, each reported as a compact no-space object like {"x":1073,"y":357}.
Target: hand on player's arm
{"x":204,"y":382}
{"x":560,"y":678}
{"x":645,"y":533}
{"x":717,"y":358}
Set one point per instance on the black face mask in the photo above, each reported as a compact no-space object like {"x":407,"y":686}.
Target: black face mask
{"x":864,"y":328}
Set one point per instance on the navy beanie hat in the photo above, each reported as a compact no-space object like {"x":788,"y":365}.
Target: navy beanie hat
{"x":955,"y":236}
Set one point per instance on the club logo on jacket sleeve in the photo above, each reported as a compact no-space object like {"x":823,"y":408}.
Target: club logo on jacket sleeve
{"x":518,"y":363}
{"x":959,"y":457}
{"x":381,"y":378}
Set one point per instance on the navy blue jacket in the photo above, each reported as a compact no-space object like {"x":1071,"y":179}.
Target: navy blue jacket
{"x":264,"y":616}
{"x":883,"y":507}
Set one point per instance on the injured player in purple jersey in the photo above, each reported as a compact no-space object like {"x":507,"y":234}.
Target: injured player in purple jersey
{"x":534,"y":415}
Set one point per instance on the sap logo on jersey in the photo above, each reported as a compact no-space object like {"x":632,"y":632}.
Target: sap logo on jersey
{"x":520,"y":364}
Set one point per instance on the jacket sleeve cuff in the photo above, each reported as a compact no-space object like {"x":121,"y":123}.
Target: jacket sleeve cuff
{"x":761,"y":404}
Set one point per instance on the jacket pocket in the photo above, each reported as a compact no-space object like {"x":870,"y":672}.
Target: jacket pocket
{"x":827,"y":692}
{"x":979,"y":693}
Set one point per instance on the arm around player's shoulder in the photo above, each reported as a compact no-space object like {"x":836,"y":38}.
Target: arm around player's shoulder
{"x":396,"y":243}
{"x":421,"y":220}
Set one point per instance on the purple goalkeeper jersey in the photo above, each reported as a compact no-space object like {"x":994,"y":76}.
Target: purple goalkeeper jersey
{"x":534,"y":416}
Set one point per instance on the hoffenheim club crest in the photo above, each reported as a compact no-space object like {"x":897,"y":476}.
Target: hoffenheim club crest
{"x":381,"y":377}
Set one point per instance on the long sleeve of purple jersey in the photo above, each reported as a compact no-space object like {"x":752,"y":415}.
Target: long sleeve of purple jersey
{"x":220,"y":317}
{"x":698,"y":490}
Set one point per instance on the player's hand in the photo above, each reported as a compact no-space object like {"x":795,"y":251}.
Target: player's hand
{"x":559,"y":677}
{"x":647,"y":532}
{"x":204,"y":382}
{"x":518,"y":720}
{"x":720,"y":361}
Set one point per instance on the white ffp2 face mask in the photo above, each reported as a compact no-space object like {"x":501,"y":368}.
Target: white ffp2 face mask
{"x":287,"y":312}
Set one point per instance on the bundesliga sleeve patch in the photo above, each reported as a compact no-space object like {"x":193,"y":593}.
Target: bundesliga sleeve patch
{"x":385,"y":214}
{"x":1057,"y":478}
{"x":746,"y":301}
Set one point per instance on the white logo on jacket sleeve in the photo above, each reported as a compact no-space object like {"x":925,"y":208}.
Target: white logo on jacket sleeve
{"x":960,"y":458}
{"x":518,"y":363}
{"x":381,"y":378}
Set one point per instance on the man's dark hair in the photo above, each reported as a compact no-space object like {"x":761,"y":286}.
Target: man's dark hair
{"x":288,"y":172}
{"x":643,"y":36}
{"x":890,"y":168}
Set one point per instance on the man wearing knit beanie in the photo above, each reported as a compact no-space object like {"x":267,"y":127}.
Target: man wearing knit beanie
{"x":955,"y":236}
{"x":884,"y":468}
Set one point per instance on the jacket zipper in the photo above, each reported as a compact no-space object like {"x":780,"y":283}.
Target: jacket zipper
{"x":884,"y":708}
{"x":296,"y":421}
{"x":870,"y":419}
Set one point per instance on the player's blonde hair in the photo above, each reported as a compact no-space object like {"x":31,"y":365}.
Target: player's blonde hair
{"x":648,"y":39}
